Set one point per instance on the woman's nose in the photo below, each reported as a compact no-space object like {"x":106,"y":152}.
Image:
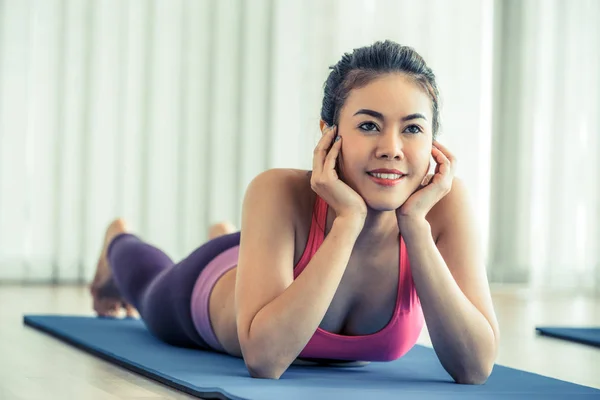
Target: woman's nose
{"x":390,"y":147}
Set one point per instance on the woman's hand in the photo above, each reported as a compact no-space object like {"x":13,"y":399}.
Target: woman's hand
{"x":433,"y":188}
{"x":326,"y":183}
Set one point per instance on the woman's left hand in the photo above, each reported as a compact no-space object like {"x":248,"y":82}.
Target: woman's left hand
{"x":433,"y":187}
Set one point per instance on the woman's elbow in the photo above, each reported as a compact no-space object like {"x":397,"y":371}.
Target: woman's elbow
{"x":261,"y":368}
{"x":477,"y":369}
{"x":259,"y":374}
{"x":263,"y":371}
{"x":474,"y":376}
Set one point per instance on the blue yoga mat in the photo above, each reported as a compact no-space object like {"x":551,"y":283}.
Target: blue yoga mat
{"x":589,"y":336}
{"x":419,"y":374}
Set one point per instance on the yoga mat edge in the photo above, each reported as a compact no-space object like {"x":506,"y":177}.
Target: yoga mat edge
{"x":114,"y":359}
{"x":559,"y":333}
{"x":71,"y":329}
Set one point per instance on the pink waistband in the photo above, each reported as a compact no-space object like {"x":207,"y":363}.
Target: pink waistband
{"x":202,"y":290}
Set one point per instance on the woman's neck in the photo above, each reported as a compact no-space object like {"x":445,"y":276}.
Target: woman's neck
{"x":378,"y":229}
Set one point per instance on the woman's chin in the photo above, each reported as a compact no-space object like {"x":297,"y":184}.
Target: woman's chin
{"x":382,"y":205}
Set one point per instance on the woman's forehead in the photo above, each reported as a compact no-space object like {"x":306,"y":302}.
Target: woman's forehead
{"x":393,"y":95}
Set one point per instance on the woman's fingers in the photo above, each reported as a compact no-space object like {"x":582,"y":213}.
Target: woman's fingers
{"x":321,"y":150}
{"x":446,"y":154}
{"x":441,"y":160}
{"x":329,"y":165}
{"x":444,"y":168}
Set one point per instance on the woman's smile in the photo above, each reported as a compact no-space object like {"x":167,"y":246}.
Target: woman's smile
{"x":386,"y":179}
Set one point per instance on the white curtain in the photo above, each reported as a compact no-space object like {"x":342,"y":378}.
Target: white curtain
{"x":545,"y":202}
{"x":162,"y":111}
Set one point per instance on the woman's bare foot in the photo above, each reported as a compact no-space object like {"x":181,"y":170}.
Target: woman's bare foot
{"x":107,"y":299}
{"x":220,"y":229}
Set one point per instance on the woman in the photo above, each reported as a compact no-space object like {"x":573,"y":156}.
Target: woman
{"x":345,"y":262}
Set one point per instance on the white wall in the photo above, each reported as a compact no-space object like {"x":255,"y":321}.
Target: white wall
{"x":163,"y":111}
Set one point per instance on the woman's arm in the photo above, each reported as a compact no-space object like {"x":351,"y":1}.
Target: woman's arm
{"x":452,"y":285}
{"x":277,"y":315}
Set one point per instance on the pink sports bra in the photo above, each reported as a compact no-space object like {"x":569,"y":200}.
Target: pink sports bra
{"x":391,"y":342}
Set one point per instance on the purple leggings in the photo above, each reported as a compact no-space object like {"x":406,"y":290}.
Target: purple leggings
{"x":158,"y":288}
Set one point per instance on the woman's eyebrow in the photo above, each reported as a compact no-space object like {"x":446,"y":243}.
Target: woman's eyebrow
{"x":379,"y":115}
{"x":372,"y":113}
{"x":414,"y":116}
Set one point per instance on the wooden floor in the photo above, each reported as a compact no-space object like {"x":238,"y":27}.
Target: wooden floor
{"x":36,"y":366}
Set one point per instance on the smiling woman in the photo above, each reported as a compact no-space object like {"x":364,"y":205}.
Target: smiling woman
{"x":389,"y":118}
{"x":345,"y":265}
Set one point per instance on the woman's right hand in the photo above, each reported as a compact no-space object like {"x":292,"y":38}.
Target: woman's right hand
{"x":325,"y":181}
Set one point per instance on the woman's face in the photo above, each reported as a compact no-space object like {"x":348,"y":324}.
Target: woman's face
{"x":385,"y":125}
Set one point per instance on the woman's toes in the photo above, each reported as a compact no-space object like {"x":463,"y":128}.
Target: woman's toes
{"x":107,"y":307}
{"x":116,"y":227}
{"x":220,"y":229}
{"x":130,"y":311}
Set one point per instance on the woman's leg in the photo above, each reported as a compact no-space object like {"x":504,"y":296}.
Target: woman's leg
{"x":107,"y":297}
{"x":144,"y":276}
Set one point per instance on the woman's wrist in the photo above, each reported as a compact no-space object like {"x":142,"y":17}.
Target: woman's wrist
{"x":351,"y":224}
{"x":413,"y":227}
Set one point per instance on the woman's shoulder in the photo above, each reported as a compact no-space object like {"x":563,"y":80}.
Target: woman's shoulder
{"x":293,"y":185}
{"x":288,"y":175}
{"x":446,"y":210}
{"x":290,"y":192}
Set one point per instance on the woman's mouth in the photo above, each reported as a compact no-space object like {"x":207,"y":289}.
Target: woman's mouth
{"x":385,"y":179}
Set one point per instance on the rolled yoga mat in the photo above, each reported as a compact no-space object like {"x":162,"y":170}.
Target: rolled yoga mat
{"x":418,"y":374}
{"x":590,"y":336}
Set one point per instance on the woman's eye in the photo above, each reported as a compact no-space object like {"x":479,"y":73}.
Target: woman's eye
{"x":368,"y":126}
{"x":412,"y":129}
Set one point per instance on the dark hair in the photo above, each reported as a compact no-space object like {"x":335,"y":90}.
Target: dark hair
{"x":364,"y":64}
